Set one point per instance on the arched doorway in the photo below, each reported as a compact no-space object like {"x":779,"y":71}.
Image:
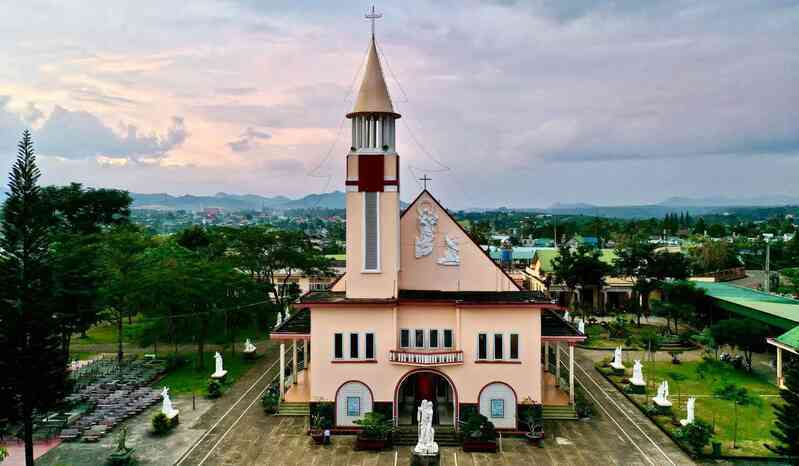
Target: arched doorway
{"x":498,"y":404}
{"x":425,"y":384}
{"x":353,"y":400}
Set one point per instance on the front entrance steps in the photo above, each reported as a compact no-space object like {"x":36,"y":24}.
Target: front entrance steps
{"x":559,"y":413}
{"x":294,"y":409}
{"x":445,"y":436}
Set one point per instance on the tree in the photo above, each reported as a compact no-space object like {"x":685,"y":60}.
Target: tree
{"x":696,"y":434}
{"x":119,"y":255}
{"x":786,"y":431}
{"x":274,"y":257}
{"x":712,"y":256}
{"x":580,"y":267}
{"x":32,"y":363}
{"x":744,"y":334}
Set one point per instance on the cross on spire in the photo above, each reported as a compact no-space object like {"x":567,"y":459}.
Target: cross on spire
{"x":372,"y":16}
{"x":425,"y":179}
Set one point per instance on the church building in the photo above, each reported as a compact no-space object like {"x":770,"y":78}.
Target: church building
{"x":422,"y":311}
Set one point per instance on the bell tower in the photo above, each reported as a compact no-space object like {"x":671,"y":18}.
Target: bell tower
{"x":372,"y":186}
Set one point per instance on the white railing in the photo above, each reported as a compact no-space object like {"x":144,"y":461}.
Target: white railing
{"x":419,"y":358}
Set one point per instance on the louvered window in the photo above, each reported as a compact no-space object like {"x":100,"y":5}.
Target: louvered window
{"x":371,"y":232}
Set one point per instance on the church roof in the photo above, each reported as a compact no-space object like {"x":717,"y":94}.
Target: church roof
{"x":459,"y":297}
{"x":298,"y":323}
{"x":373,"y":97}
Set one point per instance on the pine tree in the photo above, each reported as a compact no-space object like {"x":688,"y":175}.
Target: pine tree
{"x":32,"y":364}
{"x":787,"y":423}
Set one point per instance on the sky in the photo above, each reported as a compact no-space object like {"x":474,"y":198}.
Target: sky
{"x":503,"y":103}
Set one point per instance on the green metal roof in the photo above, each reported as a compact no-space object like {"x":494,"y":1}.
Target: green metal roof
{"x":519,"y":252}
{"x":546,"y":256}
{"x":772,"y":309}
{"x":790,"y":338}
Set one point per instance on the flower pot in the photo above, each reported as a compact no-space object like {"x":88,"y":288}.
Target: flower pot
{"x":362,"y":443}
{"x":479,"y":445}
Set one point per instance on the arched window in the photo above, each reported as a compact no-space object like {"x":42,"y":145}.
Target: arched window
{"x":498,"y":404}
{"x":353,"y":400}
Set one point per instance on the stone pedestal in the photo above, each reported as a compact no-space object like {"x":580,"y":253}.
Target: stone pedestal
{"x":663,"y":407}
{"x":220,"y":376}
{"x":250,"y":354}
{"x":174,"y":417}
{"x":617,"y":370}
{"x":637,"y":389}
{"x":425,"y":460}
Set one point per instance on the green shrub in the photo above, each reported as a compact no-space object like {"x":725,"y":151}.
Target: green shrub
{"x":271,"y":399}
{"x":478,"y":427}
{"x":161,"y":424}
{"x":696,"y":435}
{"x":676,"y":376}
{"x":375,"y":426}
{"x":324,"y":410}
{"x":582,"y":405}
{"x":214,"y":389}
{"x":3,"y":454}
{"x":734,"y":392}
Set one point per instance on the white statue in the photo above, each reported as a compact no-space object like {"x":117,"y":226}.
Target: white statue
{"x":279,"y":319}
{"x":220,"y":371}
{"x":249,"y":347}
{"x":581,"y":326}
{"x":617,"y":363}
{"x":166,"y":407}
{"x":662,"y":398}
{"x":566,"y":316}
{"x":690,"y":407}
{"x":426,"y":444}
{"x":427,"y":225}
{"x":638,"y":374}
{"x":452,"y":256}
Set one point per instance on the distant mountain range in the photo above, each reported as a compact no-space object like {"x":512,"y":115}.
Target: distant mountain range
{"x":163,"y":201}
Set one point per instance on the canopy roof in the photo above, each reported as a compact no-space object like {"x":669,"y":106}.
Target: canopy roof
{"x":771,"y":309}
{"x":373,"y":96}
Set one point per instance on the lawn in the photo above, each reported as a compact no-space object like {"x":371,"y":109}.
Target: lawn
{"x":187,"y":379}
{"x":701,"y":379}
{"x":598,"y":336}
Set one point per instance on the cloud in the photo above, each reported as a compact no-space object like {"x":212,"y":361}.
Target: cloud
{"x":80,"y":134}
{"x":249,"y":140}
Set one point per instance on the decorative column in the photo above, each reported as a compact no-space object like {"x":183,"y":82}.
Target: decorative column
{"x":305,"y":354}
{"x":294,"y":361}
{"x":557,"y":364}
{"x":458,"y":328}
{"x":571,"y":373}
{"x":779,"y":368}
{"x":282,"y":368}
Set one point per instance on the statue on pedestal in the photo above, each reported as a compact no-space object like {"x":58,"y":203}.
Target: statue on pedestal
{"x":638,"y":374}
{"x":426,"y":444}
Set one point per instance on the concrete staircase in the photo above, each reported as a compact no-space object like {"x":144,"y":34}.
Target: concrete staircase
{"x":409,"y":435}
{"x":559,"y":413}
{"x":294,"y":409}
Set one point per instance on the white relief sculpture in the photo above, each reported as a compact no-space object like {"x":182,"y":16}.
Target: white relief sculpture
{"x":690,"y":408}
{"x":278,"y":319}
{"x":617,"y":363}
{"x":638,"y":374}
{"x":166,"y":406}
{"x":428,"y":221}
{"x":566,"y":316}
{"x":581,"y":326}
{"x":452,"y":255}
{"x":249,"y":347}
{"x":426,"y":444}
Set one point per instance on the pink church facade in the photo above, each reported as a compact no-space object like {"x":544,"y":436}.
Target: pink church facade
{"x":422,"y":312}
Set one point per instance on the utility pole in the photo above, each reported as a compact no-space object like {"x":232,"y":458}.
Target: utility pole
{"x":767,"y":280}
{"x":555,"y":218}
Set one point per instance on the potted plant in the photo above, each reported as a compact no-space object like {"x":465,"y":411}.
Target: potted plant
{"x":534,"y":423}
{"x":271,"y":400}
{"x":122,"y":456}
{"x":320,"y":429}
{"x":479,"y":434}
{"x":376,"y":432}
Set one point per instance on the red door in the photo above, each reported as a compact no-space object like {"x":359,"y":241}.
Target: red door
{"x":425,"y":388}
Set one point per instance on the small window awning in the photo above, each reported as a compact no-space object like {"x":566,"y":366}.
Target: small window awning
{"x":555,"y":328}
{"x":296,"y":327}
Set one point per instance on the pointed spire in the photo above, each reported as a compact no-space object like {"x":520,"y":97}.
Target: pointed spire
{"x":373,"y":96}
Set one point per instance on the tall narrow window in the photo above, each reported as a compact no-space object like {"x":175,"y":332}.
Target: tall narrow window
{"x":369,"y":346}
{"x":448,"y":338}
{"x":418,"y":338}
{"x":405,"y":338}
{"x":433,"y":340}
{"x":482,"y":346}
{"x":498,"y":346}
{"x":514,"y":346}
{"x":354,"y":346}
{"x":371,"y":259}
{"x":338,"y":346}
